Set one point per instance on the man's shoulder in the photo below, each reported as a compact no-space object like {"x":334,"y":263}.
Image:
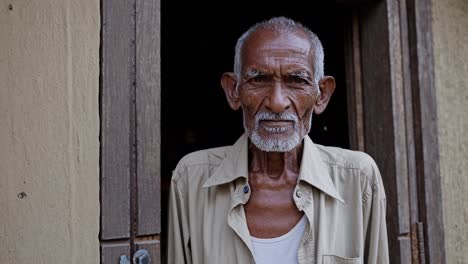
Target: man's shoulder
{"x":350,"y":159}
{"x":201,"y":160}
{"x":354,"y":160}
{"x":211,"y":156}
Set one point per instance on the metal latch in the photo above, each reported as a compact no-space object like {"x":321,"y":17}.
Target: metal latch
{"x":140,"y":257}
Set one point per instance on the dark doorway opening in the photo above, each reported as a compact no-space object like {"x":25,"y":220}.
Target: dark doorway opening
{"x":197,"y":46}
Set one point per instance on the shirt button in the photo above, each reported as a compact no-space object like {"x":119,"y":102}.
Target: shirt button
{"x":246,"y":189}
{"x":298,"y":194}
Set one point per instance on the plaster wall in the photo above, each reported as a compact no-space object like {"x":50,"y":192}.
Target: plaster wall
{"x":450,"y":35}
{"x":49,"y":131}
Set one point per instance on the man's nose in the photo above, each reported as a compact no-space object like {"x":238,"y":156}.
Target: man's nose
{"x":277,"y":101}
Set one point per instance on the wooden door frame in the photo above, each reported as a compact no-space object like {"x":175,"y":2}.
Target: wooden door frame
{"x":392,"y":116}
{"x":390,"y":79}
{"x":130,"y":129}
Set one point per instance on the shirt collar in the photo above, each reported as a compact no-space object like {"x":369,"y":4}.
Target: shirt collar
{"x":313,"y":169}
{"x":234,"y":166}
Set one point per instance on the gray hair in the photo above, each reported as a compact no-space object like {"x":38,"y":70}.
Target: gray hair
{"x":282,"y":25}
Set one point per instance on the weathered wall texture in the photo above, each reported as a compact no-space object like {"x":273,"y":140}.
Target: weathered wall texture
{"x":49,"y":131}
{"x":450,"y":30}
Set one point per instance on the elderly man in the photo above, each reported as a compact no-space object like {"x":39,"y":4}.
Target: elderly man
{"x":275,"y":196}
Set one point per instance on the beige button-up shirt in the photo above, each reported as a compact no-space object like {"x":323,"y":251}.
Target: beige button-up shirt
{"x":340,"y":192}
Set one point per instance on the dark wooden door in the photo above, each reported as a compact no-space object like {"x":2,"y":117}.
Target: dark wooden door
{"x":130,"y":129}
{"x":392,"y":117}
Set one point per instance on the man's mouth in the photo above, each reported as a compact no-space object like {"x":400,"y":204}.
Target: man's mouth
{"x":272,"y":123}
{"x":268,"y":122}
{"x":276,"y":126}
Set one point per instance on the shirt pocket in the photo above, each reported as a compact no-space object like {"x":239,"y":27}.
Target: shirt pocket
{"x":332,"y":259}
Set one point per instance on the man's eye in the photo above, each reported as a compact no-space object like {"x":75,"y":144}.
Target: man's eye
{"x":259,"y":78}
{"x":298,"y":80}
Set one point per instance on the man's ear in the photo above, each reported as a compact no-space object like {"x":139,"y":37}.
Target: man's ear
{"x":229,"y":84}
{"x":327,"y":87}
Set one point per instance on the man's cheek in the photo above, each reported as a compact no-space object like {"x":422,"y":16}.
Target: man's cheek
{"x":249,"y":109}
{"x":248,"y":118}
{"x":306,"y":113}
{"x":249,"y":101}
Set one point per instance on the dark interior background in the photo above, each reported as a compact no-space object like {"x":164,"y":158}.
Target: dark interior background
{"x":197,"y":46}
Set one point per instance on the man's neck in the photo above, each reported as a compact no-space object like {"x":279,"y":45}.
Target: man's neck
{"x":275,"y":165}
{"x":271,"y":210}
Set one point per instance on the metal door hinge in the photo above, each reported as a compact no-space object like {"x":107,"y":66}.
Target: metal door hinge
{"x":140,"y":257}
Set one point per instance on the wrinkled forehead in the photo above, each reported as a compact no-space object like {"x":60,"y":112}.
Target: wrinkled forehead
{"x":263,"y":43}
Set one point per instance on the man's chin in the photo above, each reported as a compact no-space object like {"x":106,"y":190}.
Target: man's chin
{"x":275,"y":142}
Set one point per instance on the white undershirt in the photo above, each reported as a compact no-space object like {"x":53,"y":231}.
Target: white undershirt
{"x":281,"y":249}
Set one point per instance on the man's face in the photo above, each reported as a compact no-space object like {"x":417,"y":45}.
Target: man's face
{"x":276,"y":89}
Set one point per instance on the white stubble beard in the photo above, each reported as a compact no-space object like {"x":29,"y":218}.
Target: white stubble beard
{"x":272,"y":144}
